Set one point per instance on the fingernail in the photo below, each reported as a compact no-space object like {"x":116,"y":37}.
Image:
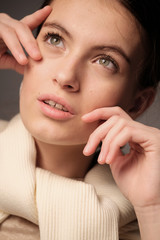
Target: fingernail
{"x":107,"y":159}
{"x":23,"y":59}
{"x":100,"y":158}
{"x":37,"y":53}
{"x":86,"y":150}
{"x":84,"y":116}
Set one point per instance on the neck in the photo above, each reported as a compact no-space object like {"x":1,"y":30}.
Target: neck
{"x":67,"y":161}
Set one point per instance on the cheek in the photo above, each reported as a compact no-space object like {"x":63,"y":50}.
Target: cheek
{"x":28,"y":86}
{"x":104,"y":95}
{"x":33,"y":76}
{"x":36,"y":70}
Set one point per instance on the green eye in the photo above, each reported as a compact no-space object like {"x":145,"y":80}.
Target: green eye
{"x":107,"y":62}
{"x":104,"y":62}
{"x":55,"y":40}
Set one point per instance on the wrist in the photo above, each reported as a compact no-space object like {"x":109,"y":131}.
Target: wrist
{"x":147,"y":211}
{"x":149,"y":221}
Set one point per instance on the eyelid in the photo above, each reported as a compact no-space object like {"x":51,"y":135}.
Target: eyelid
{"x":98,"y":57}
{"x":48,"y":35}
{"x":108,"y":57}
{"x":52,"y":34}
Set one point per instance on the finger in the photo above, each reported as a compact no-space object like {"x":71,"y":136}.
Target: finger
{"x":104,"y":114}
{"x":9,"y":62}
{"x":92,"y":144}
{"x":35,"y":19}
{"x":28,"y":41}
{"x":142,"y":139}
{"x":98,"y":135}
{"x":119,"y":124}
{"x":10,"y":38}
{"x":14,"y":39}
{"x":122,"y":138}
{"x":25,"y":35}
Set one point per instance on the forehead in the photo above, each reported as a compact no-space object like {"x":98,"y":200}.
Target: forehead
{"x":103,"y":13}
{"x":100,"y":21}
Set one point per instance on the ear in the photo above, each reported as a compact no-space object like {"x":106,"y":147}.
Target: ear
{"x":144,"y":98}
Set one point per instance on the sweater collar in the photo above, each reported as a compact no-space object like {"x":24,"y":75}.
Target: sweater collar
{"x":30,"y":193}
{"x":17,"y":171}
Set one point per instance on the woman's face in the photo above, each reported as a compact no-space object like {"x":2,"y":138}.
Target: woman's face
{"x":91,"y":51}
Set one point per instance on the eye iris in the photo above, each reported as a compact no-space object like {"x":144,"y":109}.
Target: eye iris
{"x":104,"y":61}
{"x":55,"y":40}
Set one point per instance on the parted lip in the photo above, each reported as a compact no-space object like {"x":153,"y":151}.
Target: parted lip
{"x":56,"y":99}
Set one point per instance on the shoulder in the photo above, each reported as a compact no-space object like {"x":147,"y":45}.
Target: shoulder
{"x":14,"y":123}
{"x":3,"y":125}
{"x":14,"y":227}
{"x":16,"y":120}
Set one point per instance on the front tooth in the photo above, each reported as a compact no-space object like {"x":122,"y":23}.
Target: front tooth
{"x":64,"y":109}
{"x":51,"y":103}
{"x":58,"y":106}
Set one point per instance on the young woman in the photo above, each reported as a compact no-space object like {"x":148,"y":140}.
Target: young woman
{"x":92,"y":69}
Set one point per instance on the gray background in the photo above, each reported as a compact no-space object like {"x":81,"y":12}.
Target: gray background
{"x":10,"y":81}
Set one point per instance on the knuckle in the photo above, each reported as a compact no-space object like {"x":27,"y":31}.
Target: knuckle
{"x":102,"y":111}
{"x":26,"y":18}
{"x":91,"y":136}
{"x":118,"y":109}
{"x":115,"y":118}
{"x":128,"y":130}
{"x":155,"y":133}
{"x":95,"y":135}
{"x":4,"y":16}
{"x":122,"y":121}
{"x":22,"y":25}
{"x":113,"y":145}
{"x":8,"y":30}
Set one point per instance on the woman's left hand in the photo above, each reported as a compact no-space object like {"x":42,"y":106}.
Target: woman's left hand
{"x":137,"y":173}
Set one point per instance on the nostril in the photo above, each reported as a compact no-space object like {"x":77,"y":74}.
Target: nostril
{"x":69,"y":86}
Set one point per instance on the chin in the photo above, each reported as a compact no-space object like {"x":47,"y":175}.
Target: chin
{"x":55,"y":132}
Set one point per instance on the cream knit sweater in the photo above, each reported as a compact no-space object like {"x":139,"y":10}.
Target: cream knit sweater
{"x":64,"y":209}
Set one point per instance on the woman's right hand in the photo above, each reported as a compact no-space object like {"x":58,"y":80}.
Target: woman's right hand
{"x":14,"y":34}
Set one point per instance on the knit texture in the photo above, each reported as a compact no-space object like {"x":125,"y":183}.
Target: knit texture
{"x":63,"y":208}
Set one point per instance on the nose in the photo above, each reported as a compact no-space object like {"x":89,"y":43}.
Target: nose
{"x":67,"y":73}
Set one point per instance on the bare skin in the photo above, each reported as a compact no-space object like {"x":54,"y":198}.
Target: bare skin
{"x":137,"y":173}
{"x":19,"y":32}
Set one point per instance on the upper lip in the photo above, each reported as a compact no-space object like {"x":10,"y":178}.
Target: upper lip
{"x":57,"y":99}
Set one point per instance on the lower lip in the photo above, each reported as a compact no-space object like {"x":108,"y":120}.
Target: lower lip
{"x":53,"y":112}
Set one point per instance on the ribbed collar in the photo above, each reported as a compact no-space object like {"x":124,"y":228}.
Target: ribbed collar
{"x":86,"y":210}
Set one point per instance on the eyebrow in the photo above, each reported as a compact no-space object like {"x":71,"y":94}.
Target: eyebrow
{"x":57,"y":26}
{"x":113,"y":48}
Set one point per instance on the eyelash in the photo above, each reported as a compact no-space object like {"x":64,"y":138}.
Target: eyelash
{"x":108,"y":58}
{"x":103,"y":56}
{"x":52,"y":34}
